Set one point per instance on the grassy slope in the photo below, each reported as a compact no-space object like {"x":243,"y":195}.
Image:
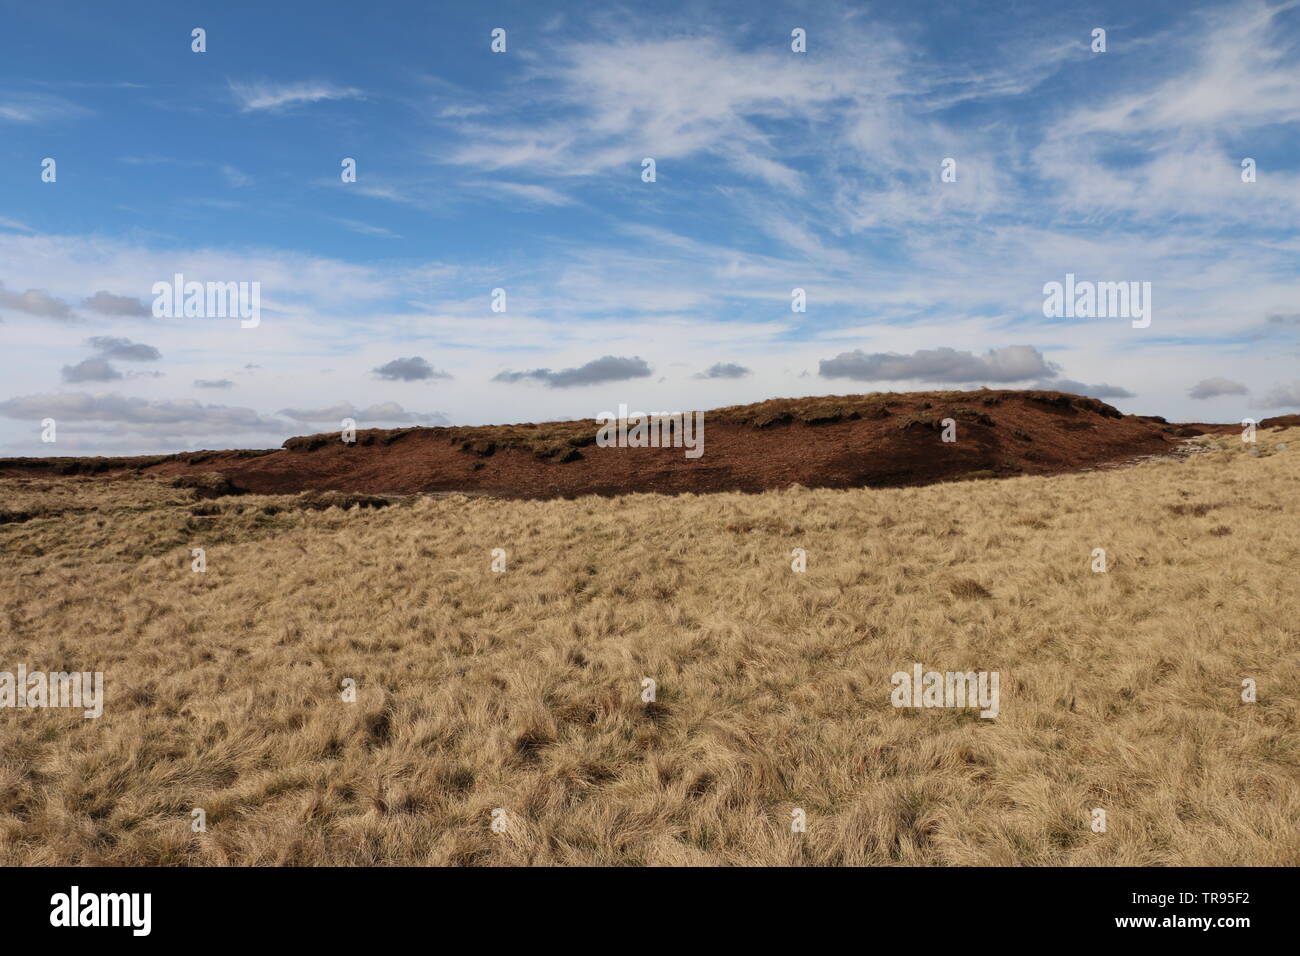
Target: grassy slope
{"x":522,"y":690}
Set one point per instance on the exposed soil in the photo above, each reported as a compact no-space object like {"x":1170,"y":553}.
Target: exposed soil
{"x":1234,"y":428}
{"x":876,"y":440}
{"x":1281,"y":421}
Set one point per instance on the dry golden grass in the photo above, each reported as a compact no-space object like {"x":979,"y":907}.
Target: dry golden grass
{"x":522,"y":690}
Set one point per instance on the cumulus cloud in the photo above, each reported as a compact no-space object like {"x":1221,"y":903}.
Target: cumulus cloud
{"x":91,"y":370}
{"x":35,"y":302}
{"x":412,"y":369}
{"x":98,"y":368}
{"x":125,"y":349}
{"x":1283,"y":396}
{"x":1214,"y":387}
{"x":609,"y":368}
{"x":105,"y":303}
{"x":213,"y":383}
{"x":384,"y":412}
{"x":724,"y":370}
{"x":1015,"y":363}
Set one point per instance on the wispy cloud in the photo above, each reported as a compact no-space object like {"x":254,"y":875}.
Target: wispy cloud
{"x":235,"y":177}
{"x":623,"y":99}
{"x":1101,"y":390}
{"x":143,"y":414}
{"x":1283,"y":396}
{"x":381,"y":413}
{"x":1237,"y":71}
{"x":366,"y":229}
{"x":18,"y":107}
{"x":254,"y":95}
{"x":529,"y":192}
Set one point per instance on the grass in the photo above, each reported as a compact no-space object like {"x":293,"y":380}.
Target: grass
{"x":523,"y":690}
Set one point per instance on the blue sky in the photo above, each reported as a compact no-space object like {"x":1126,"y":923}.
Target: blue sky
{"x":522,"y":170}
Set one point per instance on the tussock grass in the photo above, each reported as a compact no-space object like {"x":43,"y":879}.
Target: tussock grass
{"x":522,"y":690}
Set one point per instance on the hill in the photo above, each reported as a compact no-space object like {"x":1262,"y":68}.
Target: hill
{"x":875,"y":440}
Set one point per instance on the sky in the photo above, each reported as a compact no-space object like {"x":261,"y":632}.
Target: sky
{"x":921,"y":171}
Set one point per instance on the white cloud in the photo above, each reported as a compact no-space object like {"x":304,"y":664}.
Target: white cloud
{"x":91,"y":370}
{"x":138,"y":412}
{"x":725,"y":370}
{"x":669,"y":98}
{"x":235,"y":177}
{"x":105,"y":303}
{"x":366,"y":229}
{"x":1080,"y":388}
{"x":382,"y":413}
{"x":1283,"y":396}
{"x":610,"y":368}
{"x":18,"y":107}
{"x":411,"y":369}
{"x":265,"y":95}
{"x":35,"y":302}
{"x":1214,"y":387}
{"x":530,"y":192}
{"x":1236,"y":71}
{"x":1014,"y":363}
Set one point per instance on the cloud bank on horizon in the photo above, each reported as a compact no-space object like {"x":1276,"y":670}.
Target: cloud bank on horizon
{"x":681,"y":207}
